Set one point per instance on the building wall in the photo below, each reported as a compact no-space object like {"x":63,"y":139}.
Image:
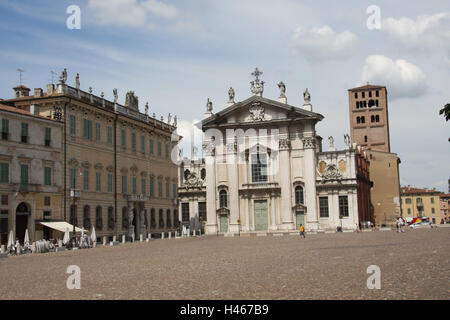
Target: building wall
{"x":36,"y":156}
{"x":385,"y":194}
{"x":431,"y":206}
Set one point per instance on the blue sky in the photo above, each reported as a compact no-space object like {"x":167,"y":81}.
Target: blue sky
{"x":176,"y":54}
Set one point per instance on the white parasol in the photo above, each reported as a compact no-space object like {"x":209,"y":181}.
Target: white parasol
{"x":26,"y":241}
{"x":66,"y":238}
{"x":93,"y":236}
{"x":10,"y":241}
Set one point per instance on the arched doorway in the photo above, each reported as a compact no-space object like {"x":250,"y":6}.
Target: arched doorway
{"x":23,"y":211}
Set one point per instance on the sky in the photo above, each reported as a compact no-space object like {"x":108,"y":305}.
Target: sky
{"x":176,"y":54}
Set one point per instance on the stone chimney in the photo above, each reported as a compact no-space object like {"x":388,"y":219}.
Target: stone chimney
{"x":38,"y":92}
{"x":34,"y":109}
{"x":50,"y":89}
{"x":21,"y":91}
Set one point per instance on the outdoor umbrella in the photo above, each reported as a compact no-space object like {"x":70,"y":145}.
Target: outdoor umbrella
{"x":11,"y":240}
{"x":93,"y":236}
{"x":26,"y":241}
{"x":66,"y":238}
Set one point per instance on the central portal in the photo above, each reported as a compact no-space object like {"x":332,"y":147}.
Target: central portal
{"x":261,"y":215}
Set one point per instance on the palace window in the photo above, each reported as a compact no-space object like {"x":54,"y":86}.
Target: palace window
{"x":152,"y":219}
{"x":223,"y":199}
{"x":356,"y":95}
{"x":167,"y":151}
{"x":377,"y":93}
{"x":167,"y":190}
{"x":87,"y":217}
{"x":408,"y":200}
{"x":363,"y":95}
{"x":24,"y":177}
{"x":124,"y":185}
{"x":152,"y":147}
{"x":73,"y":215}
{"x":152,"y":187}
{"x":432,"y":200}
{"x":98,"y":218}
{"x":98,"y":182}
{"x":110,"y":183}
{"x":73,"y":178}
{"x":185,"y":212}
{"x":161,"y":219}
{"x":98,"y":130}
{"x":133,"y":141}
{"x":111,"y":218}
{"x":87,"y":129}
{"x":159,"y":149}
{"x":47,"y":201}
{"x":4,"y":200}
{"x":125,"y":218}
{"x":160,"y":189}
{"x":202,"y":211}
{"x":323,"y":207}
{"x":363,"y":119}
{"x":24,"y":134}
{"x":47,"y":176}
{"x":5,"y":129}
{"x":409,"y":210}
{"x":134,"y":185}
{"x":109,"y":135}
{"x":86,"y":180}
{"x":259,"y":167}
{"x":72,"y":125}
{"x":48,"y":137}
{"x":174,"y":191}
{"x":168,"y":222}
{"x":4,"y":172}
{"x":143,"y":186}
{"x":343,"y":206}
{"x":124,"y":139}
{"x":143,"y":144}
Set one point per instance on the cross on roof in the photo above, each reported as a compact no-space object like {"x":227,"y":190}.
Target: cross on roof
{"x":256,"y":74}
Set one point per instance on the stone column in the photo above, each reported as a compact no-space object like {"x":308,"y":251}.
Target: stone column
{"x":285,"y":182}
{"x":233,"y":179}
{"x":309,"y":146}
{"x":211,"y":202}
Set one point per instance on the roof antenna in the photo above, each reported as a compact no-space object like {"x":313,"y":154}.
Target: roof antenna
{"x":20,"y":75}
{"x":53,"y":74}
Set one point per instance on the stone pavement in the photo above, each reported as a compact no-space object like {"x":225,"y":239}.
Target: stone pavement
{"x":414,"y":265}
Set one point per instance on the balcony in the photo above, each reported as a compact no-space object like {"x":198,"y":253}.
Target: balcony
{"x":75,"y":194}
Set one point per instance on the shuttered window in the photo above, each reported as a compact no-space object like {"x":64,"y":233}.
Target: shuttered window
{"x":47,"y":176}
{"x":4,"y":172}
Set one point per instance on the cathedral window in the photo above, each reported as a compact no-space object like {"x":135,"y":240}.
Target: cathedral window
{"x":323,"y":207}
{"x":259,"y":167}
{"x":186,"y":174}
{"x":202,"y":211}
{"x":203,"y":174}
{"x":343,"y":206}
{"x":299,"y":195}
{"x":223,"y":199}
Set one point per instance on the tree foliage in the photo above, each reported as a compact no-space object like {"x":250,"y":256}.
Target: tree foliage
{"x":446,"y":112}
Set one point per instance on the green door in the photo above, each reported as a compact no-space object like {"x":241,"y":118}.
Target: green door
{"x":300,"y":218}
{"x":261,"y":216}
{"x":224,"y":223}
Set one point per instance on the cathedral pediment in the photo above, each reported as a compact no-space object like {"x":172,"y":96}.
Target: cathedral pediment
{"x":258,"y":110}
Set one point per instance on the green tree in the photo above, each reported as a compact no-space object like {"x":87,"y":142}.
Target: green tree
{"x":446,"y":112}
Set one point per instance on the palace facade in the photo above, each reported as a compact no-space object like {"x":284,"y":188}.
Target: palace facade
{"x":116,"y":173}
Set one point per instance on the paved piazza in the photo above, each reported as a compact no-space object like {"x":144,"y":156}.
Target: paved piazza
{"x":414,"y":265}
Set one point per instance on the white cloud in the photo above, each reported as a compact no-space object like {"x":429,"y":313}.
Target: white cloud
{"x":403,"y":79}
{"x":428,"y":31}
{"x":322,"y":43}
{"x":132,"y":13}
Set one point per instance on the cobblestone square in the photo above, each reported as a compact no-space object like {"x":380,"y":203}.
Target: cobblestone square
{"x":414,"y":265}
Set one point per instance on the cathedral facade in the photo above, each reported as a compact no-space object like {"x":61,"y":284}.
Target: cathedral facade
{"x":265,"y":171}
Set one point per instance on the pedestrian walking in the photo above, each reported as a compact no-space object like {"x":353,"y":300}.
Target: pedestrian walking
{"x":401,"y":224}
{"x":302,"y":231}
